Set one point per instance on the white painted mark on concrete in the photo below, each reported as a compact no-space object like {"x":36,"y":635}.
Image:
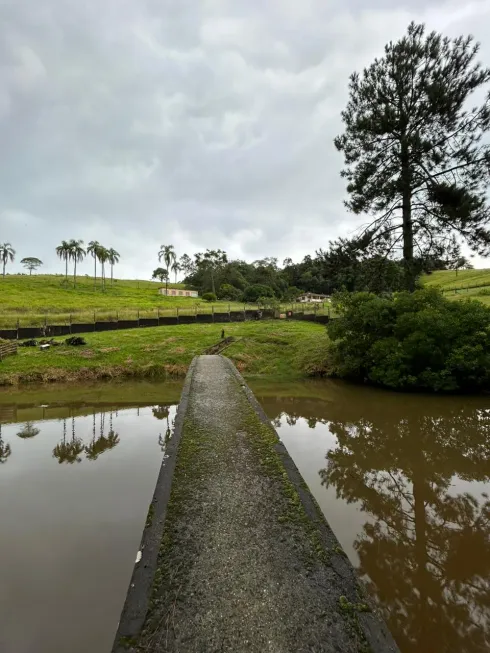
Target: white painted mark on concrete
{"x":138,"y":556}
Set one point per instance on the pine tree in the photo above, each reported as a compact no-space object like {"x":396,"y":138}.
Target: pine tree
{"x":413,"y":149}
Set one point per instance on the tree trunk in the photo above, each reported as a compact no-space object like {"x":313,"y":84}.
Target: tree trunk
{"x":30,"y":271}
{"x":75,"y":273}
{"x":66,"y":269}
{"x":423,"y":580}
{"x":112,"y":274}
{"x":4,"y":268}
{"x":95,"y":272}
{"x":166,"y":284}
{"x":406,"y":183}
{"x":212,"y":281}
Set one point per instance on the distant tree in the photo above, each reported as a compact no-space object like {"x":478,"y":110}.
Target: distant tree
{"x":414,"y":153}
{"x":257,"y":291}
{"x":209,"y":297}
{"x":187,"y":264}
{"x":64,"y":253}
{"x":113,"y":258}
{"x":31,"y":263}
{"x":462,"y":263}
{"x":7,"y":253}
{"x":211,"y":260}
{"x":287,"y":262}
{"x":168,"y":255}
{"x":93,"y":249}
{"x":229,"y":292}
{"x":103,"y":256}
{"x":161,"y":274}
{"x":77,"y":254}
{"x":176,"y":269}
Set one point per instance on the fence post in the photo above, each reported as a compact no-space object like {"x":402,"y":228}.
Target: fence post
{"x":138,"y":310}
{"x":70,"y":323}
{"x":158,"y":314}
{"x":212,"y":311}
{"x":94,"y":320}
{"x":18,"y":323}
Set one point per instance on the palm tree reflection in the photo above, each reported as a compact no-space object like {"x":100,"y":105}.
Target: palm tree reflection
{"x":69,"y":452}
{"x":5,"y":450}
{"x":103,"y":442}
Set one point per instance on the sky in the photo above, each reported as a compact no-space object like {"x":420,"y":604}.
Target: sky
{"x":197,"y":123}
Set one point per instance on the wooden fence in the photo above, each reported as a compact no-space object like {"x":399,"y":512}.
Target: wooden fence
{"x":7,"y":349}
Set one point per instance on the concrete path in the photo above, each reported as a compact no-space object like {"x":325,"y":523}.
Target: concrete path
{"x":246,"y":561}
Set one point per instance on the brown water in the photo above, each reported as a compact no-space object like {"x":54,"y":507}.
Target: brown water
{"x":401,"y":479}
{"x":76,"y":480}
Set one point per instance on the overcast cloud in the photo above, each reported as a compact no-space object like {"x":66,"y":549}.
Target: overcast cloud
{"x":201,"y":123}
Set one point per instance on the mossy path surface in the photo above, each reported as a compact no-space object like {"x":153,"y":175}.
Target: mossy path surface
{"x":244,"y":564}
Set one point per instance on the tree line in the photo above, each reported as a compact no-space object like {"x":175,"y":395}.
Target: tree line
{"x":69,"y":251}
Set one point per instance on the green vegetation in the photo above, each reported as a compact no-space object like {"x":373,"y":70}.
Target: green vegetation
{"x":414,"y":340}
{"x":261,"y":348}
{"x":413,"y":151}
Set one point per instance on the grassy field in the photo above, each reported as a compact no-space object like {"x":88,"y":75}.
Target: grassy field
{"x":39,"y":299}
{"x":268,"y":348}
{"x":466,"y":284}
{"x":46,"y":299}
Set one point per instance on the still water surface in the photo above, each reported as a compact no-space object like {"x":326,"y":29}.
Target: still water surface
{"x":402,"y":480}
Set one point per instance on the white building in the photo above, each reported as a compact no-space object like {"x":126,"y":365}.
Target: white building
{"x":309,"y":297}
{"x":178,"y":292}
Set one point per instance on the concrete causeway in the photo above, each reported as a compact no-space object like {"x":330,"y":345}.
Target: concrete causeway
{"x":236,"y":555}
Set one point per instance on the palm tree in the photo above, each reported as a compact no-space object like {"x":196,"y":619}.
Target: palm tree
{"x":92,"y":249}
{"x":176,"y":268}
{"x":113,"y":258}
{"x":63,"y":252}
{"x":168,"y":254}
{"x":103,"y":256}
{"x":77,"y":253}
{"x":7,"y":253}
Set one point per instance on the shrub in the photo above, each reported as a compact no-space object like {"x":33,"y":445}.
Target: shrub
{"x":229,"y":292}
{"x":411,"y":340}
{"x":209,"y":297}
{"x":255,"y":291}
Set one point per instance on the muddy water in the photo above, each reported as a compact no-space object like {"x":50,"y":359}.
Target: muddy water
{"x":404,"y":481}
{"x":76,"y":479}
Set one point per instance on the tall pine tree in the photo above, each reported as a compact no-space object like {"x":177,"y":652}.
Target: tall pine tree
{"x":415,"y":155}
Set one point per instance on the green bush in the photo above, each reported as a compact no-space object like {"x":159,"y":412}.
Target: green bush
{"x":229,"y":292}
{"x":255,"y":291}
{"x":409,"y":341}
{"x":209,"y":297}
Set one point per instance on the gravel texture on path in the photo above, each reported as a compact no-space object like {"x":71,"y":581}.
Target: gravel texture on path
{"x":246,"y":560}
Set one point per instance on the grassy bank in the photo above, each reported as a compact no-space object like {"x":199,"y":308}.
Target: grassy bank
{"x":269,"y":348}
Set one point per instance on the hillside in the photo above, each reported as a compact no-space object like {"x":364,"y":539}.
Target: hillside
{"x":466,"y":284}
{"x":32,"y":298}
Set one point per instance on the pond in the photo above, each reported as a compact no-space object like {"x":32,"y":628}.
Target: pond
{"x":402,"y":480}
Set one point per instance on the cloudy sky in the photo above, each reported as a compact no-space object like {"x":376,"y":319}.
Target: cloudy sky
{"x":201,"y":123}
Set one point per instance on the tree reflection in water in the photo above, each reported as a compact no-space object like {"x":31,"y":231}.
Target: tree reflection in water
{"x":5,"y":450}
{"x":103,"y":442}
{"x":163,"y":412}
{"x":29,"y":431}
{"x":425,"y":549}
{"x":68,"y":452}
